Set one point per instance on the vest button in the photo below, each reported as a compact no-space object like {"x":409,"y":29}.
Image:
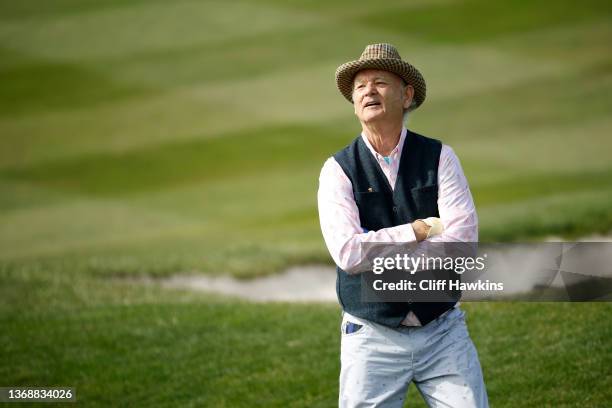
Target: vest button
{"x":395,"y":208}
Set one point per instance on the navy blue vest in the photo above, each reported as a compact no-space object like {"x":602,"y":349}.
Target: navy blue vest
{"x":415,"y":196}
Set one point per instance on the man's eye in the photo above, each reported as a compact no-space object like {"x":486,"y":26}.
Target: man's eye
{"x":360,"y":86}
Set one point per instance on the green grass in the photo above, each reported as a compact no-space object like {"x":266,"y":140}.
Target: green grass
{"x":153,"y":138}
{"x":124,"y":345}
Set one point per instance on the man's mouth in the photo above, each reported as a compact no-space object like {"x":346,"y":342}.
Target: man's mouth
{"x":372,"y":103}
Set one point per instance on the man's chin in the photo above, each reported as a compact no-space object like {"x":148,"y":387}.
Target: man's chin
{"x":373,"y":117}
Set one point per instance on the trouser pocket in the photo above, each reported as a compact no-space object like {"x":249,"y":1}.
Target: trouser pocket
{"x":351,"y":326}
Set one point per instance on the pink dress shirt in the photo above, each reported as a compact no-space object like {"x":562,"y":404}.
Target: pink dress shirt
{"x":339,"y":215}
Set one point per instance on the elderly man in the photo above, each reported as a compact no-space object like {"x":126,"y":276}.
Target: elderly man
{"x":391,"y":185}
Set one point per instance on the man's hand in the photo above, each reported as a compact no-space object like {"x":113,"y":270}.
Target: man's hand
{"x":420,"y":230}
{"x":426,"y":228}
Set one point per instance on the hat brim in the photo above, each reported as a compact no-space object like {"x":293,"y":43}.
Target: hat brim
{"x":345,"y":74}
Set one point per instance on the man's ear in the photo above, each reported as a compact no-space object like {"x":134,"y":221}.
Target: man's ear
{"x":408,"y":95}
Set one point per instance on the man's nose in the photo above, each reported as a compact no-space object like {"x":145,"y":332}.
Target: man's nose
{"x":370,"y":89}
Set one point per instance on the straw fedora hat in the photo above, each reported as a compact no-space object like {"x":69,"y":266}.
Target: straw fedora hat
{"x":386,"y":58}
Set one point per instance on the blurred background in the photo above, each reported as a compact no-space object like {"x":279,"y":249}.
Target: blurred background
{"x":153,"y":138}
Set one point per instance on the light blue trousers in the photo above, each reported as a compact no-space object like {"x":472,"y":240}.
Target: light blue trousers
{"x":378,"y":363}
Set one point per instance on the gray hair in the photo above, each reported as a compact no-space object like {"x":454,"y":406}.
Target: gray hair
{"x":413,"y":106}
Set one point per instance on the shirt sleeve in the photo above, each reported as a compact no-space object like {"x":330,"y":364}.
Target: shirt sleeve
{"x":340,"y":224}
{"x":455,"y":203}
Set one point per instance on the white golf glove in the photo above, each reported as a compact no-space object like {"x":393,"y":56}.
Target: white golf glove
{"x":435,"y":224}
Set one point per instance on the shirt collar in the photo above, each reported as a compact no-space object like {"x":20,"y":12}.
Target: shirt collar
{"x":395,"y":153}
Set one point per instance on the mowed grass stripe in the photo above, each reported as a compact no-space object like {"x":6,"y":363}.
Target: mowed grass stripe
{"x":144,"y":26}
{"x":271,"y":148}
{"x":28,"y":9}
{"x":480,"y":20}
{"x":74,"y":223}
{"x":257,"y":55}
{"x":38,"y":85}
{"x":570,"y":215}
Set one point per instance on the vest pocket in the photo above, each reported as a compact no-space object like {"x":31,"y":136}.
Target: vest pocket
{"x":372,"y":209}
{"x":426,"y":200}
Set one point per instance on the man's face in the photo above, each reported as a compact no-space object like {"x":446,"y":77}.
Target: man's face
{"x":380,"y":95}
